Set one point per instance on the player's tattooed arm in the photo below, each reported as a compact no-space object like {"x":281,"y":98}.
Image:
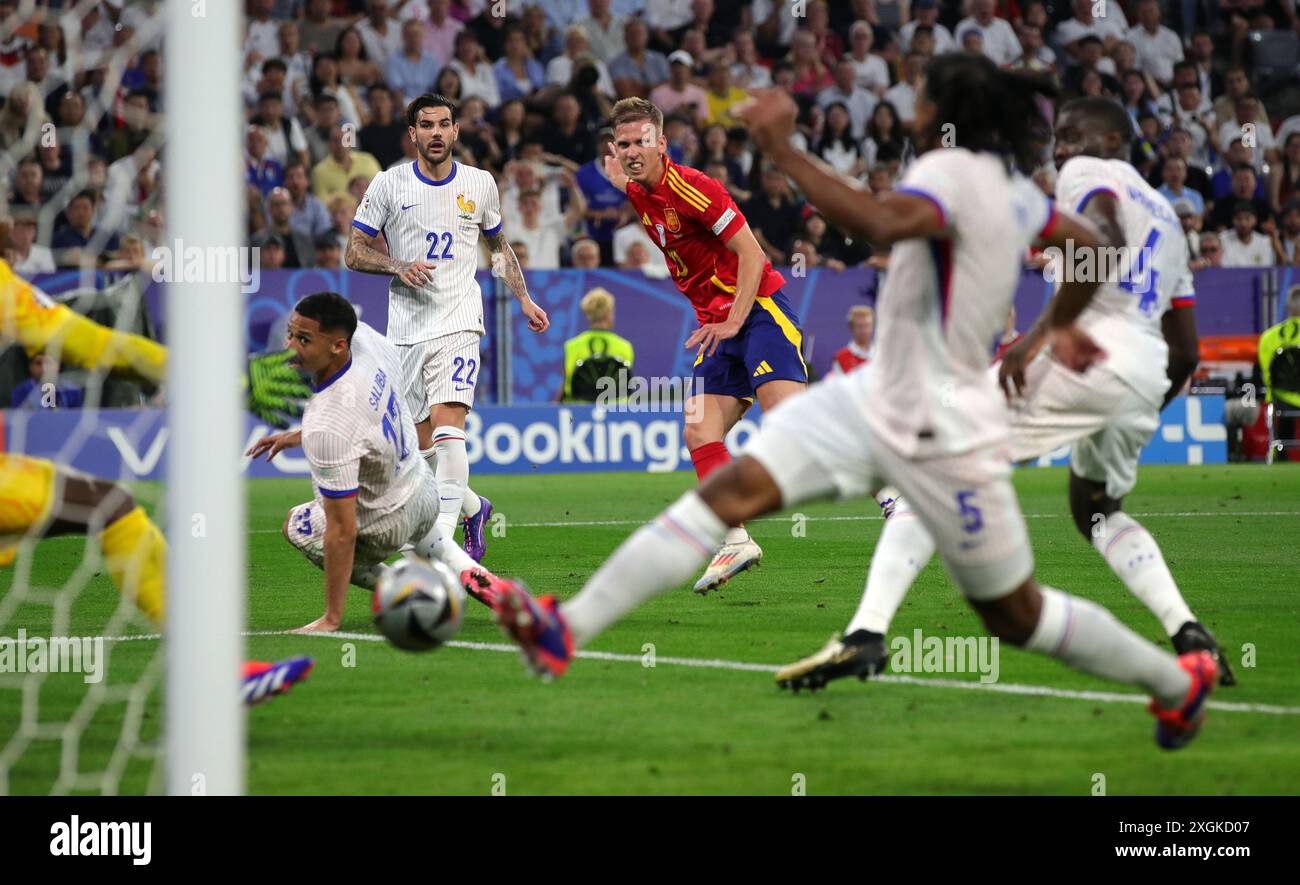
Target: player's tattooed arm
{"x":365,"y":258}
{"x":506,"y":265}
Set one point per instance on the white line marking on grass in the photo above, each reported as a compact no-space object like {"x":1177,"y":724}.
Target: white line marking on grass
{"x":1109,"y":697}
{"x":560,"y":524}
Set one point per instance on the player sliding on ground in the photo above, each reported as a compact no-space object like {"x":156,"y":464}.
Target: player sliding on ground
{"x":372,"y":496}
{"x":924,"y":416}
{"x":749,"y":338}
{"x":1146,"y":321}
{"x":431,"y":211}
{"x":41,"y":499}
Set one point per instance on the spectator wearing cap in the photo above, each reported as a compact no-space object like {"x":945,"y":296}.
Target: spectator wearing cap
{"x":679,"y":94}
{"x":1243,"y":245}
{"x":1158,"y":48}
{"x":29,"y":256}
{"x":71,"y":241}
{"x":1174,"y":186}
{"x":1286,"y":240}
{"x":331,"y":175}
{"x":638,"y":69}
{"x":857,"y":101}
{"x":1244,"y":188}
{"x":518,"y":74}
{"x":413,"y":70}
{"x":299,"y":249}
{"x":476,"y":74}
{"x":999,"y":38}
{"x":1108,"y":28}
{"x":604,"y":30}
{"x":924,"y":13}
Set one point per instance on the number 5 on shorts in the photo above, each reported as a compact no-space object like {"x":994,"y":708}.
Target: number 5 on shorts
{"x":973,"y":519}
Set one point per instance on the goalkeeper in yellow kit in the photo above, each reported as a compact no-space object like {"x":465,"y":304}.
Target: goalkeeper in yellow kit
{"x":39,"y":498}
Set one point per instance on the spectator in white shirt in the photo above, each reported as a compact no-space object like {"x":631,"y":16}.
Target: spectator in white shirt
{"x":748,"y":72}
{"x":871,"y":71}
{"x":1158,"y":48}
{"x":260,"y":42}
{"x":477,"y":76}
{"x":577,"y":47}
{"x":926,"y":12}
{"x":856,"y":100}
{"x":381,"y":35}
{"x":902,"y":95}
{"x":1260,"y":144}
{"x":1244,"y":246}
{"x":999,"y":38}
{"x":1110,"y":27}
{"x":545,"y":234}
{"x":30,"y":257}
{"x":604,"y":30}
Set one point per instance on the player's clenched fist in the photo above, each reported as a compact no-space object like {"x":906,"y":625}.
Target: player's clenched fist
{"x":417,"y":273}
{"x":770,"y":114}
{"x":538,"y":321}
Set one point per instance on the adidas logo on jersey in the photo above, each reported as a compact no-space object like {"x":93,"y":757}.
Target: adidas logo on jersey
{"x":763,"y":369}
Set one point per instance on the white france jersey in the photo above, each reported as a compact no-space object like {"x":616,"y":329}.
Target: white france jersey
{"x":1124,"y":316}
{"x":356,"y":433}
{"x":437,"y":222}
{"x":928,"y":392}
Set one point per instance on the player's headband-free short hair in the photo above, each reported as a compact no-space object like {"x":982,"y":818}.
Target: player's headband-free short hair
{"x":630,"y":110}
{"x":860,"y":310}
{"x":334,"y":312}
{"x":429,"y":100}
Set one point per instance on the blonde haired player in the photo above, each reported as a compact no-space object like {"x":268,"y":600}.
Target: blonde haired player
{"x":431,"y":212}
{"x":39,"y":498}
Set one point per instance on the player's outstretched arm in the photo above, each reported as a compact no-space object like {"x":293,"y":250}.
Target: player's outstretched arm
{"x":340,"y":554}
{"x":882,"y":221}
{"x":506,"y":265}
{"x":365,"y":258}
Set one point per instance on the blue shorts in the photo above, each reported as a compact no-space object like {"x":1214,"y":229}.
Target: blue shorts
{"x":767,"y":349}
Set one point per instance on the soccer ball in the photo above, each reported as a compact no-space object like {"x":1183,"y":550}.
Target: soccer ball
{"x":418,"y":605}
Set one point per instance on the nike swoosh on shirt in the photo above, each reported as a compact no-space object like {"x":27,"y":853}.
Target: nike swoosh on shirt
{"x":404,"y":208}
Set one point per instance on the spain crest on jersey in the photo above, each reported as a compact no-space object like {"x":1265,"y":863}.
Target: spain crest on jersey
{"x":670,"y":216}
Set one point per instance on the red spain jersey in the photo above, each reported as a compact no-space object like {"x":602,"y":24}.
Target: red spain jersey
{"x":691,"y":217}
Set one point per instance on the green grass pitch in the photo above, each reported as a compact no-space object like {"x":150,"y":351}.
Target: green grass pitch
{"x":375,"y":720}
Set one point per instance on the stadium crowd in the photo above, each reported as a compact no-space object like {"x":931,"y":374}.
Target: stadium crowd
{"x":1210,"y":84}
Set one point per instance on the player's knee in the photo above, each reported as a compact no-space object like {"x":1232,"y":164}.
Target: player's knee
{"x":1012,"y":618}
{"x":695,"y":434}
{"x":284,"y":529}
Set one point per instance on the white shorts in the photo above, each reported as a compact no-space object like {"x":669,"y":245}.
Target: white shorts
{"x":376,"y":540}
{"x":817,"y":444}
{"x":441,"y":370}
{"x":1105,"y":420}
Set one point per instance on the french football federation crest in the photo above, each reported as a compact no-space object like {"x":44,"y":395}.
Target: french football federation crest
{"x":670,"y":216}
{"x":466,"y":206}
{"x":663,"y":239}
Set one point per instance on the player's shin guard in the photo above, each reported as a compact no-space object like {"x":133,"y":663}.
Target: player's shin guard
{"x":657,"y":557}
{"x":1135,"y":557}
{"x":1087,"y":637}
{"x":438,"y":545}
{"x":135,"y":554}
{"x":452,"y":473}
{"x":902,"y":551}
{"x":708,"y":458}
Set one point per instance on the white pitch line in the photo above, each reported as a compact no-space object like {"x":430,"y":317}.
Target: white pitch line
{"x":559,"y":524}
{"x":717,"y":664}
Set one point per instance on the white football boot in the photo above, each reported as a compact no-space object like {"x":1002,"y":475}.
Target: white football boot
{"x":729,"y":561}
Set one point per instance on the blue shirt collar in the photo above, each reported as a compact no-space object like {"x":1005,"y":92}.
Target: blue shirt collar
{"x":336,"y":376}
{"x":415,"y":166}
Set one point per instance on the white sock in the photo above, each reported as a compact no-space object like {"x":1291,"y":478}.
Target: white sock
{"x":470,"y":504}
{"x":439,"y":545}
{"x":452,"y":471}
{"x":1135,"y":557}
{"x":902,"y":551}
{"x":1088,"y":638}
{"x":738,"y":535}
{"x":657,"y":557}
